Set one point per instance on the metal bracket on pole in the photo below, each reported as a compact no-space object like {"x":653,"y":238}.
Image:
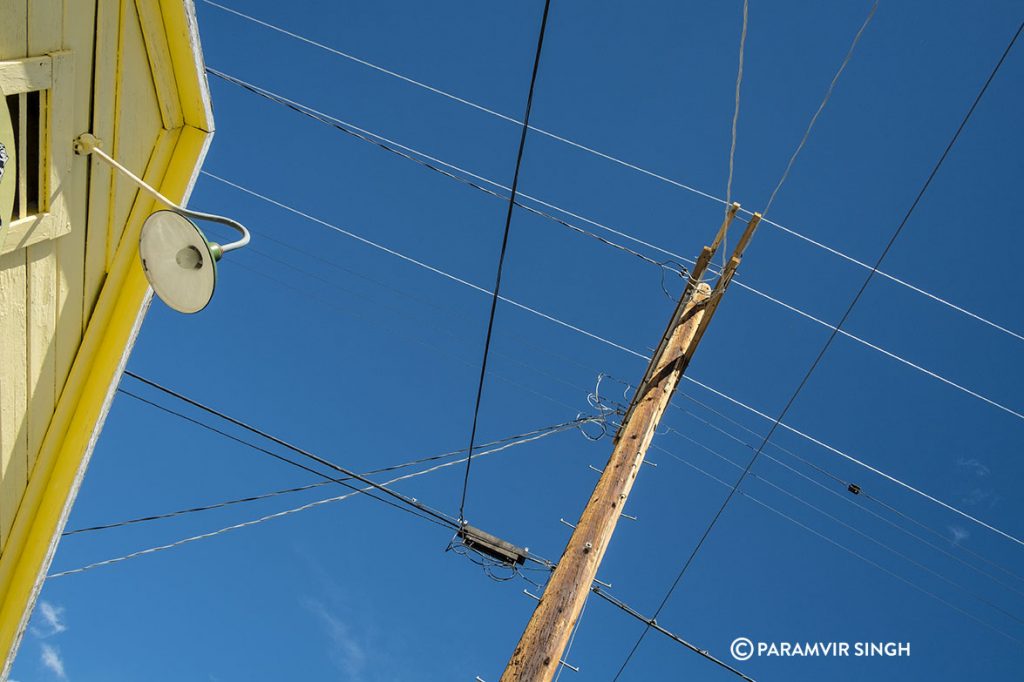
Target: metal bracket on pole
{"x":700,"y":266}
{"x":725,"y":278}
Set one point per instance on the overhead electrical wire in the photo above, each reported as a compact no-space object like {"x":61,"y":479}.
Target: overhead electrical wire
{"x":849,"y":551}
{"x":828,"y":342}
{"x":848,"y":526}
{"x":439,"y":516}
{"x":646,"y":358}
{"x":613,"y":159}
{"x":371,"y":486}
{"x":849,"y":486}
{"x":821,"y":107}
{"x":329,"y":479}
{"x":334,"y":303}
{"x":501,"y":258}
{"x":442,"y":310}
{"x":851,"y":498}
{"x":193,"y":510}
{"x":735,"y":123}
{"x":434,"y":164}
{"x":850,"y":458}
{"x":861,"y":490}
{"x":671,"y":635}
{"x":521,"y":438}
{"x":418,"y":263}
{"x":572,"y":639}
{"x":286,"y":491}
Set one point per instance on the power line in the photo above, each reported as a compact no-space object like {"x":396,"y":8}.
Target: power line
{"x":832,"y":336}
{"x":355,"y":491}
{"x":572,"y":639}
{"x":596,"y":588}
{"x":850,"y":458}
{"x":613,"y":159}
{"x":846,"y":525}
{"x":435,"y":164}
{"x":652,"y":623}
{"x":333,"y":302}
{"x":441,"y":517}
{"x":501,"y":257}
{"x":850,"y":551}
{"x":193,"y":510}
{"x":608,"y":342}
{"x":282,"y":458}
{"x":431,"y":268}
{"x":849,"y":498}
{"x":862,"y":492}
{"x":821,"y":512}
{"x":821,"y":107}
{"x":735,"y":122}
{"x":849,"y":486}
{"x":287,"y":491}
{"x":225,"y":434}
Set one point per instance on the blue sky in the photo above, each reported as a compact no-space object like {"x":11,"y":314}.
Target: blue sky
{"x":369,"y":360}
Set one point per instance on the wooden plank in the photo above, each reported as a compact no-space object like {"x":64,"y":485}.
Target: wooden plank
{"x":152,"y":24}
{"x":41,"y":326}
{"x":13,"y":439}
{"x":13,"y":388}
{"x":45,"y":26}
{"x":24,"y":75}
{"x":45,"y":35}
{"x":179,"y":22}
{"x":22,"y":125}
{"x":136,"y":125}
{"x":27,"y":231}
{"x":79,"y":32}
{"x":108,"y":45}
{"x":13,"y":29}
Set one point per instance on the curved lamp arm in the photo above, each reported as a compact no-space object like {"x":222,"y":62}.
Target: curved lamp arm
{"x":89,"y":144}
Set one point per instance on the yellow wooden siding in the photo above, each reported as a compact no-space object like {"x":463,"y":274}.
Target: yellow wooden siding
{"x":137,"y":119}
{"x":50,"y":288}
{"x":45,"y":36}
{"x":14,"y":274}
{"x":70,"y":306}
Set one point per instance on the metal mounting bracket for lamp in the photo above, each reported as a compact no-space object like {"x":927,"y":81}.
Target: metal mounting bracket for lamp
{"x":178,"y":260}
{"x":87,"y":143}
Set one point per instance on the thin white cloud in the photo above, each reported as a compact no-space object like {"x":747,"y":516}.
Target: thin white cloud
{"x":978,"y":496}
{"x":346,"y":651}
{"x":959,"y":534}
{"x":975,"y":466}
{"x":52,"y":618}
{"x":53,"y":662}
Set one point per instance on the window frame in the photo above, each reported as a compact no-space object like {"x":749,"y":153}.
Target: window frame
{"x":52,"y":75}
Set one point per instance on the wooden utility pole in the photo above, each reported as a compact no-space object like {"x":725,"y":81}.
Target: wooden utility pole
{"x":539,"y":652}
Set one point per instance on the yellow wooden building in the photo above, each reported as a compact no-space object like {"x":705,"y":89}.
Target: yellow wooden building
{"x":72,"y":291}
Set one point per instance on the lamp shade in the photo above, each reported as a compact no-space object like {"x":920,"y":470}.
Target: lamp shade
{"x":178,"y":261}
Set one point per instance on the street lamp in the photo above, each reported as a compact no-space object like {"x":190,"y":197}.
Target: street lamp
{"x":178,"y":260}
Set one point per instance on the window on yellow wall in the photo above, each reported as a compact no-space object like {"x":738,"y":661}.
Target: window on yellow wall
{"x":38,"y":94}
